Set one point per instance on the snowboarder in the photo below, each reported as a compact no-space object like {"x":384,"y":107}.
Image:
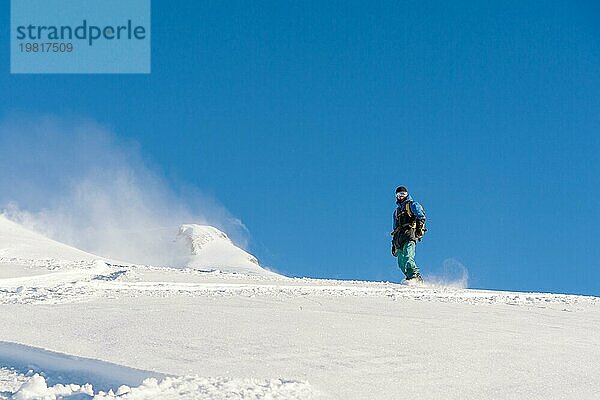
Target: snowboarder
{"x":409,"y":227}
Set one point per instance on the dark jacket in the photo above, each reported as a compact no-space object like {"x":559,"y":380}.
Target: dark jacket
{"x":405,"y":223}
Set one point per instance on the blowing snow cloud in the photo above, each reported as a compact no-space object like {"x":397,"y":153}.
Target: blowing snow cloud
{"x":76,"y":182}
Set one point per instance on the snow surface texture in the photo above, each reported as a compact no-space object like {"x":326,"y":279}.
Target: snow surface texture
{"x":77,"y":326}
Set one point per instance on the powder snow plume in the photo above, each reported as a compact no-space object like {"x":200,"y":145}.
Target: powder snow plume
{"x":453,"y":274}
{"x":75,"y":181}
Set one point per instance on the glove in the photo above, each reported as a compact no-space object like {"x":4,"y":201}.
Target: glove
{"x":420,"y":230}
{"x":394,"y":251}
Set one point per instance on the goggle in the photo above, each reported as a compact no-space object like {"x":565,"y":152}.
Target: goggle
{"x":401,"y":194}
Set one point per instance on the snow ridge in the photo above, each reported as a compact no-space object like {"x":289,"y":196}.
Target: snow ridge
{"x":200,"y":247}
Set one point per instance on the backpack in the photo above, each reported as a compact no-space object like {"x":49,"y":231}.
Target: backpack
{"x":417,"y":224}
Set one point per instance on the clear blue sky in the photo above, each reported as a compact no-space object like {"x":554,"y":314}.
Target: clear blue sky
{"x":303,"y":117}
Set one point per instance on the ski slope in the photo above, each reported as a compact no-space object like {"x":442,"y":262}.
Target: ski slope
{"x":75,"y":325}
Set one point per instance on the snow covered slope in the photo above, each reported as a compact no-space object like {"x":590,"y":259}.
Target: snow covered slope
{"x":17,"y":242}
{"x":191,"y":246}
{"x":92,"y":329}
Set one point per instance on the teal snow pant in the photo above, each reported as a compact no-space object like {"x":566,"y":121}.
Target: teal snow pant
{"x":406,"y":260}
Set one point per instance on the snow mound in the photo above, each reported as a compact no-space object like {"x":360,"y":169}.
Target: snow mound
{"x":210,"y":249}
{"x":36,"y":388}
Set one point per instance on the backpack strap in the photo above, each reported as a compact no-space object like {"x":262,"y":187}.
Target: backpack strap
{"x":408,"y":210}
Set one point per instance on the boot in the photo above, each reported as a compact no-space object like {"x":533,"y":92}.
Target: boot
{"x":415,"y":280}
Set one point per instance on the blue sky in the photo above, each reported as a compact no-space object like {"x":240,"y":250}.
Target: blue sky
{"x":301,"y":118}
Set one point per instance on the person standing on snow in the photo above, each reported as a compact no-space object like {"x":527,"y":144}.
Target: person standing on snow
{"x":409,"y":227}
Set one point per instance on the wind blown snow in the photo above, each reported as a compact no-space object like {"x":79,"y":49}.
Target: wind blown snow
{"x":453,"y":274}
{"x":87,"y":189}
